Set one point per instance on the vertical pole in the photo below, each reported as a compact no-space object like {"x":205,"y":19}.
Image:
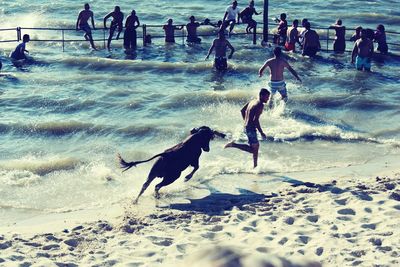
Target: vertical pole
{"x":62,"y":32}
{"x":18,"y":34}
{"x":104,"y":38}
{"x":183,"y":36}
{"x":144,"y":34}
{"x":265,"y":26}
{"x":327,"y":40}
{"x":255,"y":35}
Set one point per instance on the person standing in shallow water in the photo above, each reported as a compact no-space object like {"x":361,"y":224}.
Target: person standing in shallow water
{"x":292,"y":37}
{"x":362,"y":52}
{"x":357,"y":34}
{"x":191,"y":28}
{"x":380,"y":38}
{"x":311,"y":43}
{"x":221,"y":45}
{"x":251,"y":113}
{"x":169,"y":30}
{"x":116,"y":23}
{"x":131,"y":24}
{"x":276,"y":66}
{"x":339,"y":45}
{"x":83,"y":24}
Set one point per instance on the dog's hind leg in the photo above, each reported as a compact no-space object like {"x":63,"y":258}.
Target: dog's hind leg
{"x":150,"y":178}
{"x":166,"y":181}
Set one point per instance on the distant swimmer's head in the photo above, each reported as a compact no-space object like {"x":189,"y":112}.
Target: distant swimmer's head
{"x":87,"y":7}
{"x":283,"y":16}
{"x":339,"y":22}
{"x":26,"y":38}
{"x":295,"y":23}
{"x":307,"y":25}
{"x":192,"y":18}
{"x":277,"y":51}
{"x":133,"y":13}
{"x":303,"y":22}
{"x":358,"y":29}
{"x":251,"y":3}
{"x":117,"y":9}
{"x":364,"y":34}
{"x":234,"y":4}
{"x":169,"y":21}
{"x":221,"y":34}
{"x":264,"y":95}
{"x":380,"y":28}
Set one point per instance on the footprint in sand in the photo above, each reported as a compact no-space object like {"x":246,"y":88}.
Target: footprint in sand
{"x":289,"y":220}
{"x":346,"y":212}
{"x":313,"y":218}
{"x":249,"y":229}
{"x":283,"y":241}
{"x":217,"y":228}
{"x":342,"y":201}
{"x":51,"y":247}
{"x":376,"y":241}
{"x":161,"y":241}
{"x":371,"y":226}
{"x":303,"y":239}
{"x":262,"y":249}
{"x":319,"y":251}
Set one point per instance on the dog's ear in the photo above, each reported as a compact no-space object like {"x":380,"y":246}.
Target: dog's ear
{"x":194,"y":130}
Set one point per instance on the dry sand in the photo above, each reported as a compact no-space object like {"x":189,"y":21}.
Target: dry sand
{"x":347,"y":222}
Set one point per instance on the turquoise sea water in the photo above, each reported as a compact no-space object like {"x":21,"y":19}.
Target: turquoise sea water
{"x":63,"y":118}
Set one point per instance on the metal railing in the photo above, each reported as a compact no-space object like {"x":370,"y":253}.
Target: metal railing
{"x":326,"y":38}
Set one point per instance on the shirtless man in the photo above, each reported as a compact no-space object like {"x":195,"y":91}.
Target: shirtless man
{"x":276,"y":66}
{"x":362,"y":52}
{"x":282,"y":29}
{"x":83,"y":24}
{"x":191,"y":28}
{"x":292,"y":37}
{"x":251,"y":113}
{"x":131,"y":24}
{"x":117,"y":22}
{"x":311,"y":43}
{"x":169,"y":30}
{"x":220,"y":45}
{"x":339,"y":45}
{"x":247,"y":17}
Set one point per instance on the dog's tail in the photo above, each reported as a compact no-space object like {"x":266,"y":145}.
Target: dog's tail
{"x":127,"y":165}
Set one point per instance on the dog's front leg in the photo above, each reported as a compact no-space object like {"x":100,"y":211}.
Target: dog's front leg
{"x":190,"y":175}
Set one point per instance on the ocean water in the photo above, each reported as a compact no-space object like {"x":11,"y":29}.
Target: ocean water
{"x":64,"y":117}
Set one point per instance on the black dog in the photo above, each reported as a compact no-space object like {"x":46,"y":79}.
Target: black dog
{"x":176,"y":159}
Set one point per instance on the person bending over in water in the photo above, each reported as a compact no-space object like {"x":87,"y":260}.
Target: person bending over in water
{"x":117,"y":22}
{"x":83,"y":24}
{"x":251,"y":113}
{"x":131,"y":24}
{"x":276,"y":66}
{"x":169,"y":30}
{"x":220,"y":45}
{"x":362,"y":52}
{"x":19,"y":52}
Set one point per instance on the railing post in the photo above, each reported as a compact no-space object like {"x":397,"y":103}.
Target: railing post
{"x":144,"y":34}
{"x":18,"y":34}
{"x":104,"y":38}
{"x":327,"y":40}
{"x":183,"y":36}
{"x":255,"y":35}
{"x":62,"y":33}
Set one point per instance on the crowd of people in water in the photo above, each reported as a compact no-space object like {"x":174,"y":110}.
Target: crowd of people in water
{"x":285,"y":38}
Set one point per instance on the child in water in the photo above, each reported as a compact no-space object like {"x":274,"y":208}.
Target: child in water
{"x":19,"y":52}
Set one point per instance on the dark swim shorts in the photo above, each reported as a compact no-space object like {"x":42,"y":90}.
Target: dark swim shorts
{"x":251,"y":133}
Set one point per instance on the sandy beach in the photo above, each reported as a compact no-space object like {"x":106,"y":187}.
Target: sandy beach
{"x":349,"y":221}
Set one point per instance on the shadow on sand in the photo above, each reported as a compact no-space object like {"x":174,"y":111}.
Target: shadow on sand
{"x":216,"y":203}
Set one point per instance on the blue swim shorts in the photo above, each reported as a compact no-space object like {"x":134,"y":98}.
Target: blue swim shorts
{"x":251,"y":133}
{"x":86,"y":28}
{"x":279,"y":86}
{"x":363,"y":62}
